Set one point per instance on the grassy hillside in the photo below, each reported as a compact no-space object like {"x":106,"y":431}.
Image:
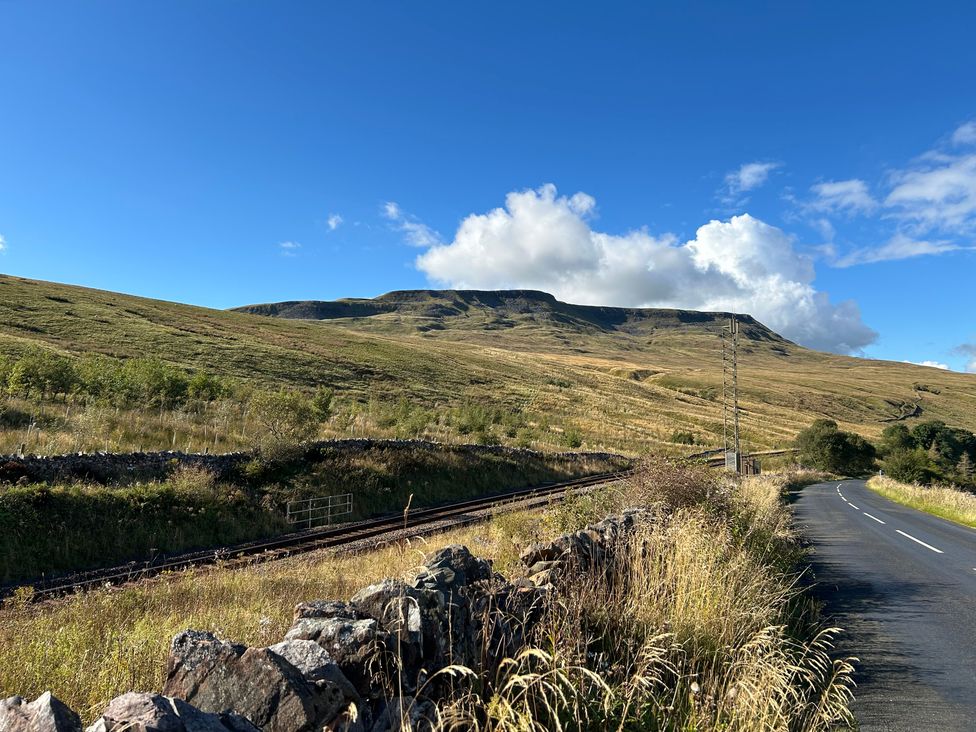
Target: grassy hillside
{"x":549,"y":374}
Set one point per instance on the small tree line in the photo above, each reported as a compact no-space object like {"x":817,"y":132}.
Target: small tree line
{"x":928,"y":452}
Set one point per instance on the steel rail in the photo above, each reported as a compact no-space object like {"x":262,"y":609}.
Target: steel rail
{"x":457,"y":514}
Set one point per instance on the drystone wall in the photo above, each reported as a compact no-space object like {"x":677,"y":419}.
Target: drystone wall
{"x":106,"y":467}
{"x":374,"y":664}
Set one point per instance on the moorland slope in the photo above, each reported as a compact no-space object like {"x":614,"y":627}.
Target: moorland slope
{"x":623,"y":379}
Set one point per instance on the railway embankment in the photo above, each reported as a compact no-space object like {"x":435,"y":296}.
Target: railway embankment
{"x":63,"y":514}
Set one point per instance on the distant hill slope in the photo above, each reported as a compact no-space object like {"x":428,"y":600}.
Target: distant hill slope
{"x":626,"y":379}
{"x":425,"y":310}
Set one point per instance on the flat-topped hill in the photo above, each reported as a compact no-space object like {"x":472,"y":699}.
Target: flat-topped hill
{"x":623,"y":379}
{"x":424,"y":310}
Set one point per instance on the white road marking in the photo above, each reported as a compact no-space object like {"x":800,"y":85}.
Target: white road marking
{"x":873,"y":517}
{"x":852,"y":505}
{"x":919,"y":541}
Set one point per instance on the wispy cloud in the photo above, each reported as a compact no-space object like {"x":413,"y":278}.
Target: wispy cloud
{"x":965,"y":134}
{"x":842,"y":196}
{"x":289,"y":248}
{"x":929,"y":204}
{"x":3,"y":243}
{"x":415,"y":232}
{"x":334,"y":221}
{"x":899,"y":246}
{"x":938,"y":194}
{"x":747,"y":177}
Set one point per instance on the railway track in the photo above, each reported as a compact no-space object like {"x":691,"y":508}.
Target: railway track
{"x":418,"y":521}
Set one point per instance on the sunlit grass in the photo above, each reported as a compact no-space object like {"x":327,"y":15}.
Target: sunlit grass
{"x":946,"y":502}
{"x":698,"y":627}
{"x":623,"y":392}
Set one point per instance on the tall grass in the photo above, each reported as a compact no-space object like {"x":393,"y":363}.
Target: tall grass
{"x":700,"y":625}
{"x":944,"y":501}
{"x":52,"y":529}
{"x":89,"y":648}
{"x":693,"y":628}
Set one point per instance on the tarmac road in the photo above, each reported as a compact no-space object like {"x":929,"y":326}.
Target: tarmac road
{"x":902,"y":584}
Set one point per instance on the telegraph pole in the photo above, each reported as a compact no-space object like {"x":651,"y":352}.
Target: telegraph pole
{"x":730,"y":394}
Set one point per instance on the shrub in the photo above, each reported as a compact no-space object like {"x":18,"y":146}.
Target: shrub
{"x":683,"y":438}
{"x":676,"y":483}
{"x":824,"y":447}
{"x":286,"y":416}
{"x":572,"y":437}
{"x":910,"y":466}
{"x":322,"y":403}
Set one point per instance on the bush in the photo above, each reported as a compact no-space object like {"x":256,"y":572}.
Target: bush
{"x":910,"y":466}
{"x":683,"y":438}
{"x":824,"y":447}
{"x":287,"y":417}
{"x":322,"y":403}
{"x":572,"y":438}
{"x":676,"y":483}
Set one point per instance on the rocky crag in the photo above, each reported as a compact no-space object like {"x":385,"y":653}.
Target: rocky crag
{"x":383,"y":661}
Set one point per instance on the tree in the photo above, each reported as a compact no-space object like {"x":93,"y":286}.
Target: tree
{"x":39,"y":373}
{"x":895,"y":438}
{"x":910,"y":466}
{"x":205,"y":387}
{"x":152,"y":382}
{"x":287,"y":416}
{"x":965,"y":470}
{"x":822,"y":445}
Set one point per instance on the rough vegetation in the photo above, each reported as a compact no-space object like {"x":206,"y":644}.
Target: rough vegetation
{"x":685,"y":616}
{"x":110,"y":512}
{"x":930,"y":452}
{"x":512,"y":368}
{"x":823,"y":446}
{"x":945,"y":501}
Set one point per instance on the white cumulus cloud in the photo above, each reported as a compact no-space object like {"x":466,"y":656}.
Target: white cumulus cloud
{"x":334,"y":221}
{"x":3,"y":243}
{"x":541,"y":240}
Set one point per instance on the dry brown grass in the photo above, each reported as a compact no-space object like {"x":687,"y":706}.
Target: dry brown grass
{"x":944,"y":501}
{"x":621,"y":391}
{"x":696,"y":628}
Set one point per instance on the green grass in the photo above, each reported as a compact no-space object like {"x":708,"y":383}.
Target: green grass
{"x":942,"y":501}
{"x":625,"y":380}
{"x":54,"y":529}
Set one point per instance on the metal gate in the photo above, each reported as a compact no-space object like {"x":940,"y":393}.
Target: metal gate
{"x":318,"y":511}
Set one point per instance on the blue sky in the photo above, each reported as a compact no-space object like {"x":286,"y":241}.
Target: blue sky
{"x":812,"y":163}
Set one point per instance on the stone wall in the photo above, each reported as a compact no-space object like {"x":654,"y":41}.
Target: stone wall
{"x":369,"y":665}
{"x":105,"y":467}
